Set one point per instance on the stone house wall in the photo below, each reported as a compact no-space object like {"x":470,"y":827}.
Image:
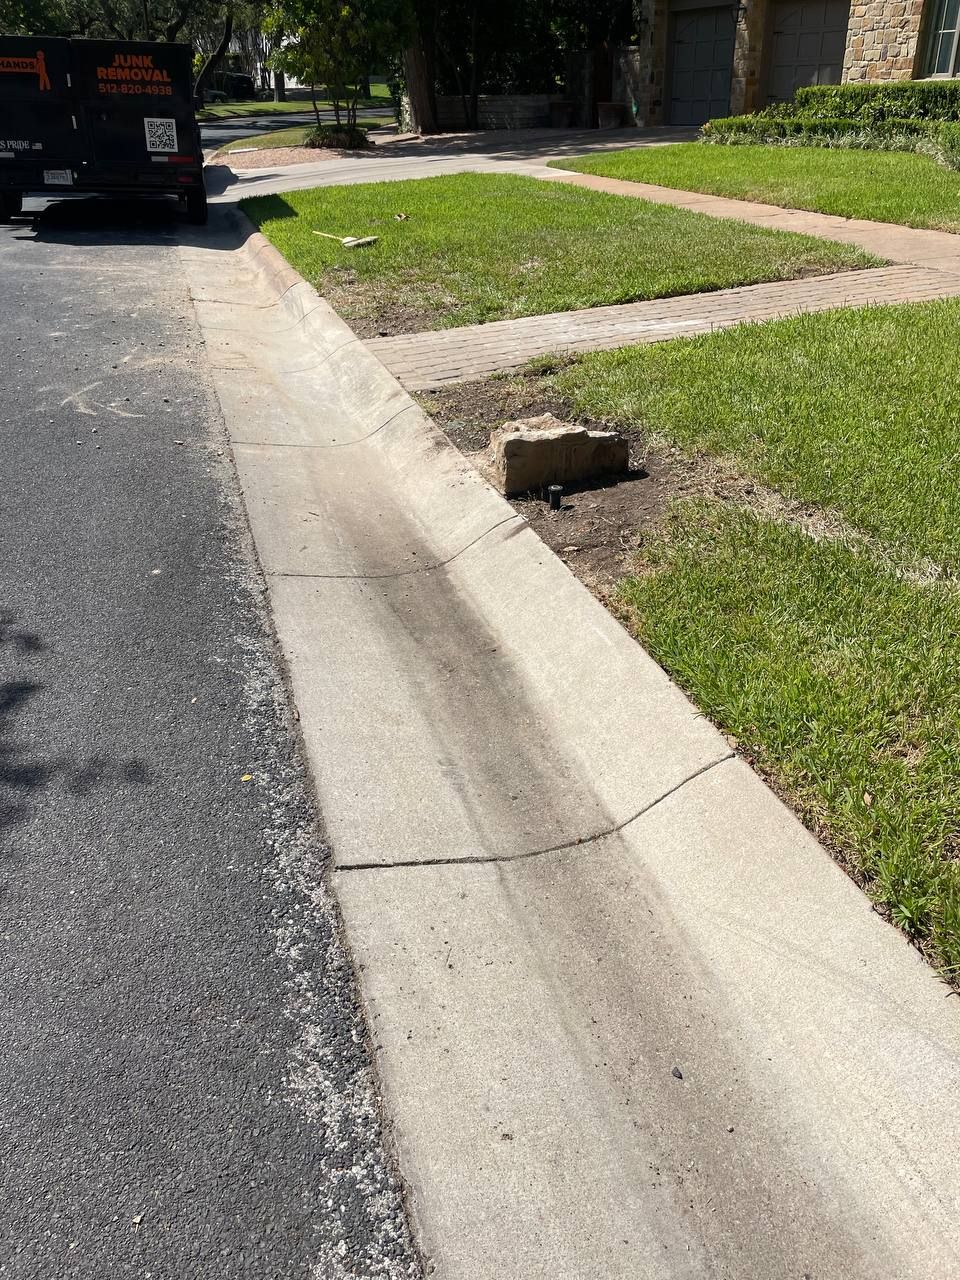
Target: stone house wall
{"x":883,"y":40}
{"x":886,"y":40}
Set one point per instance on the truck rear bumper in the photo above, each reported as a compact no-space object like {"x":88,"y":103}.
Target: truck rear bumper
{"x":54,"y":180}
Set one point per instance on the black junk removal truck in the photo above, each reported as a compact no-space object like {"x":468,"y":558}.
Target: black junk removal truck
{"x":111,"y":116}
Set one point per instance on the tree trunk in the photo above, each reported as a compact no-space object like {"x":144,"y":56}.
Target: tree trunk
{"x":461,"y":87}
{"x":316,"y":109}
{"x":176,"y":24}
{"x":420,"y":94}
{"x":473,"y":114}
{"x":279,"y":87}
{"x":211,"y":64}
{"x":112,"y":21}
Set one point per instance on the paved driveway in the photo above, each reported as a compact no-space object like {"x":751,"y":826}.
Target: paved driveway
{"x":416,"y":158}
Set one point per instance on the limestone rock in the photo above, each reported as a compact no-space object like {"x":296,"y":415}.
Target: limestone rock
{"x":533,"y":452}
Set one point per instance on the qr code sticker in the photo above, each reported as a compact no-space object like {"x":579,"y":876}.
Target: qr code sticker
{"x":161,"y":134}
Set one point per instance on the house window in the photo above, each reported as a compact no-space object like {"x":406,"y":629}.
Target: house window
{"x":944,"y":56}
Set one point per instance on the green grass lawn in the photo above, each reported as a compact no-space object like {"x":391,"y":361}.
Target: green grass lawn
{"x":834,"y":657}
{"x":886,"y":186}
{"x":481,"y":247}
{"x":292,"y":137}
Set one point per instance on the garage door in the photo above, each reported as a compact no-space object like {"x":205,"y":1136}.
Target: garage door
{"x":806,"y":45}
{"x":701,"y":56}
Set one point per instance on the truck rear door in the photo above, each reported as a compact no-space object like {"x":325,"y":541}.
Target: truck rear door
{"x":136,"y":103}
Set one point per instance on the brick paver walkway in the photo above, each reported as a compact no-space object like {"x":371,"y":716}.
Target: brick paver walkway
{"x":421,"y":360}
{"x":927,"y":265}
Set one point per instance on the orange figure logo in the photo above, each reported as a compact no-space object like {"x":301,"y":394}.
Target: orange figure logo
{"x":24,"y":66}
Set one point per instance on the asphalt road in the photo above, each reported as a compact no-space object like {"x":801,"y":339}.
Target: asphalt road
{"x":218,"y":133}
{"x":185,"y":1091}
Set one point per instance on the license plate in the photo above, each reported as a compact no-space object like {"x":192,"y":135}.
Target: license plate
{"x":58,"y":177}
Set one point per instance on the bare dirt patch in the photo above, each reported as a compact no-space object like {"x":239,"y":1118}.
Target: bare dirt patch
{"x":599,"y":530}
{"x":374,"y":309}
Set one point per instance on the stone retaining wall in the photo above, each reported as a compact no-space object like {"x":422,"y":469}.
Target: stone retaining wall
{"x":498,"y":111}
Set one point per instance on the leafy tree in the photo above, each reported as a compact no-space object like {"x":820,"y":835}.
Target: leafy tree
{"x":337,"y":43}
{"x":469,"y":47}
{"x":206,"y":24}
{"x":107,"y":19}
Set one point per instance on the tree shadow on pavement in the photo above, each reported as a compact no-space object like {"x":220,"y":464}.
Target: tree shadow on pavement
{"x":18,"y":773}
{"x":23,"y":771}
{"x":530,"y":144}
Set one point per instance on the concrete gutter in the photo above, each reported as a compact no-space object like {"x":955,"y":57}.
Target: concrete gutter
{"x":631,"y":1020}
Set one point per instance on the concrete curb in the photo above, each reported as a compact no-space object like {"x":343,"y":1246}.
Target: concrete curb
{"x":477,"y":538}
{"x":558,"y":883}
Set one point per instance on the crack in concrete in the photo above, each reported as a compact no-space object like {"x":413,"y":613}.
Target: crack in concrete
{"x":345,"y":444}
{"x":398,"y":573}
{"x":254,"y":276}
{"x":307,"y":368}
{"x":503,"y":858}
{"x":233,"y":328}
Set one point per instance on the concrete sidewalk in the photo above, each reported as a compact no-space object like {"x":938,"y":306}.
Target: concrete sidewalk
{"x":631,"y":1019}
{"x":939,"y":250}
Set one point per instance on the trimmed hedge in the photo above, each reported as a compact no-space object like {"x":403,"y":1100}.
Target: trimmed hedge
{"x":339,"y":137}
{"x":771,"y":127}
{"x":938,"y":139}
{"x":872,"y":103}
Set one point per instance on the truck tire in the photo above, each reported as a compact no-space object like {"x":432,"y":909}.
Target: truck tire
{"x":11,"y":203}
{"x":197,"y":207}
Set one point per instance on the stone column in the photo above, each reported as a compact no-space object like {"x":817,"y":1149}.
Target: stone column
{"x":630,"y":80}
{"x":745,"y":82}
{"x":883,"y":41}
{"x":651,"y":59}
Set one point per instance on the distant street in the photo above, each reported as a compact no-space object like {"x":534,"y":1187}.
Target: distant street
{"x":218,"y":133}
{"x":184,"y":1086}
